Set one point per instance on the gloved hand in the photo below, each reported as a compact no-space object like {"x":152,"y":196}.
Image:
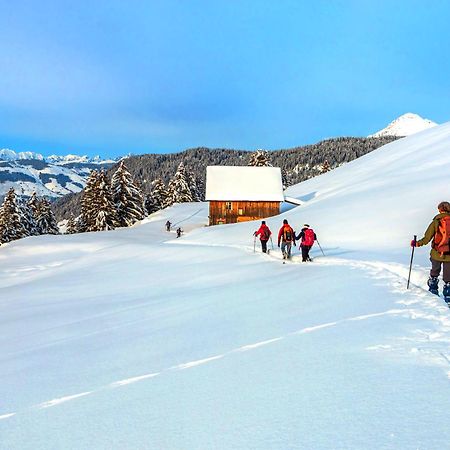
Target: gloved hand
{"x":278,"y":244}
{"x":414,"y":243}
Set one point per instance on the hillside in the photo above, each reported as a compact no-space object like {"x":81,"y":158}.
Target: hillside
{"x":299,"y":163}
{"x":135,"y":339}
{"x":52,"y":177}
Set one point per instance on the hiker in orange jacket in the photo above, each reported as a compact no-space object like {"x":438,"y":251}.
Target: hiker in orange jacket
{"x":286,"y":236}
{"x":264,"y":234}
{"x":439,"y":232}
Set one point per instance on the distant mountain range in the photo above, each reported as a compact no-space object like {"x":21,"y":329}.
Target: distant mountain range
{"x":53,"y":176}
{"x":405,"y":125}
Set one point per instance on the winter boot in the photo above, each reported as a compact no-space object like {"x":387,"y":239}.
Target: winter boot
{"x":446,"y":292}
{"x":433,"y":285}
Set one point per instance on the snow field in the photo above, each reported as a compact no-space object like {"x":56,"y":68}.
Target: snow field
{"x":135,"y":339}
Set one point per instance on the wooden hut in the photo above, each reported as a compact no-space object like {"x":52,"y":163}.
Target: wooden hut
{"x":241,"y":193}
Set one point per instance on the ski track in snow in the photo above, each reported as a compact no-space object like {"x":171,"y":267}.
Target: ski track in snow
{"x":195,"y":363}
{"x":395,"y":273}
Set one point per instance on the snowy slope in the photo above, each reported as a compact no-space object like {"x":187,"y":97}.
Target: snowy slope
{"x":53,"y":176}
{"x":135,"y":339}
{"x":405,"y":125}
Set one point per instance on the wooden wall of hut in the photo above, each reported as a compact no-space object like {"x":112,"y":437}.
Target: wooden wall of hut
{"x":221,"y":212}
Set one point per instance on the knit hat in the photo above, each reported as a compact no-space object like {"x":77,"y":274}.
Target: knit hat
{"x":306,"y":225}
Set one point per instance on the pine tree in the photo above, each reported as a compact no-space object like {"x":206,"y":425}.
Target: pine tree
{"x":259,"y":158}
{"x":286,"y":179}
{"x":105,"y":215}
{"x":33,"y":207}
{"x":11,"y":226}
{"x":127,"y":197}
{"x":45,"y":219}
{"x":325,"y":167}
{"x":27,"y":217}
{"x":89,"y":203}
{"x":150,"y":204}
{"x":159,"y":194}
{"x":179,"y":191}
{"x":193,"y":186}
{"x":71,"y":225}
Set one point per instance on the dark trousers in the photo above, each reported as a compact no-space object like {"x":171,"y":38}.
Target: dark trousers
{"x":305,"y":252}
{"x":264,"y":246}
{"x":436,"y":269}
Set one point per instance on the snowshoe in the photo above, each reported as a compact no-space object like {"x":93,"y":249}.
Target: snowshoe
{"x":433,"y":283}
{"x":446,"y":293}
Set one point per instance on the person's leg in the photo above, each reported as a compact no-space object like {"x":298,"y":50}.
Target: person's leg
{"x":264,"y":246}
{"x":289,"y":246}
{"x":435,"y":268}
{"x":283,"y":249}
{"x":433,"y":281}
{"x":304,"y":253}
{"x":308,"y":248}
{"x":446,"y":276}
{"x":446,"y":271}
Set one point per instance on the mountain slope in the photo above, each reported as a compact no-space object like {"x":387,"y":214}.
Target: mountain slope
{"x":405,"y":125}
{"x":136,"y":339}
{"x":55,"y":176}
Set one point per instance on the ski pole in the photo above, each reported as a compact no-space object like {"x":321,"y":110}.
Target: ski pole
{"x":320,"y":247}
{"x":410,"y":264}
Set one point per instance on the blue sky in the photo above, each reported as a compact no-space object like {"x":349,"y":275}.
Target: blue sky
{"x":110,"y":77}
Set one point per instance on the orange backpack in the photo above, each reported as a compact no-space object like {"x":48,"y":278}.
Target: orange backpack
{"x":442,"y":237}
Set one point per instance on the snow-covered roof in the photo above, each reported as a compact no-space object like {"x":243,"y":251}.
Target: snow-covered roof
{"x":244,"y":183}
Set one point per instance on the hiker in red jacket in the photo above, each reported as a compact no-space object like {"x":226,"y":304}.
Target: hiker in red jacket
{"x":264,"y":235}
{"x":306,"y":238}
{"x":286,"y":236}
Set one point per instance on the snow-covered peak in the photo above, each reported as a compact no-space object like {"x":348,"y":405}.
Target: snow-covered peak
{"x":405,"y":125}
{"x":10,"y":155}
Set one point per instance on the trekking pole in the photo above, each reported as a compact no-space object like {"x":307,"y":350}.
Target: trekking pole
{"x":320,"y":247}
{"x":410,"y":264}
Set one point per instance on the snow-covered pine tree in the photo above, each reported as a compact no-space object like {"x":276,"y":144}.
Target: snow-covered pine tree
{"x":193,"y":186}
{"x":45,"y":218}
{"x":150,"y":204}
{"x":27,"y":217}
{"x":11,"y":226}
{"x":259,"y":158}
{"x":89,"y":203}
{"x":105,"y":215}
{"x":127,"y":197}
{"x":325,"y":167}
{"x":286,"y":179}
{"x":159,"y":194}
{"x":179,"y":191}
{"x":32,"y":204}
{"x":71,"y":225}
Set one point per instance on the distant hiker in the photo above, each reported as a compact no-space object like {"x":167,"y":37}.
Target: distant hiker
{"x":179,"y":231}
{"x":286,"y":236}
{"x":439,"y":232}
{"x":168,"y":224}
{"x":306,"y":238}
{"x":264,"y":235}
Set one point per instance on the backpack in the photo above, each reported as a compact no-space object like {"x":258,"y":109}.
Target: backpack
{"x":287,"y":234}
{"x":308,"y":238}
{"x":266,"y":234}
{"x":442,"y":236}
